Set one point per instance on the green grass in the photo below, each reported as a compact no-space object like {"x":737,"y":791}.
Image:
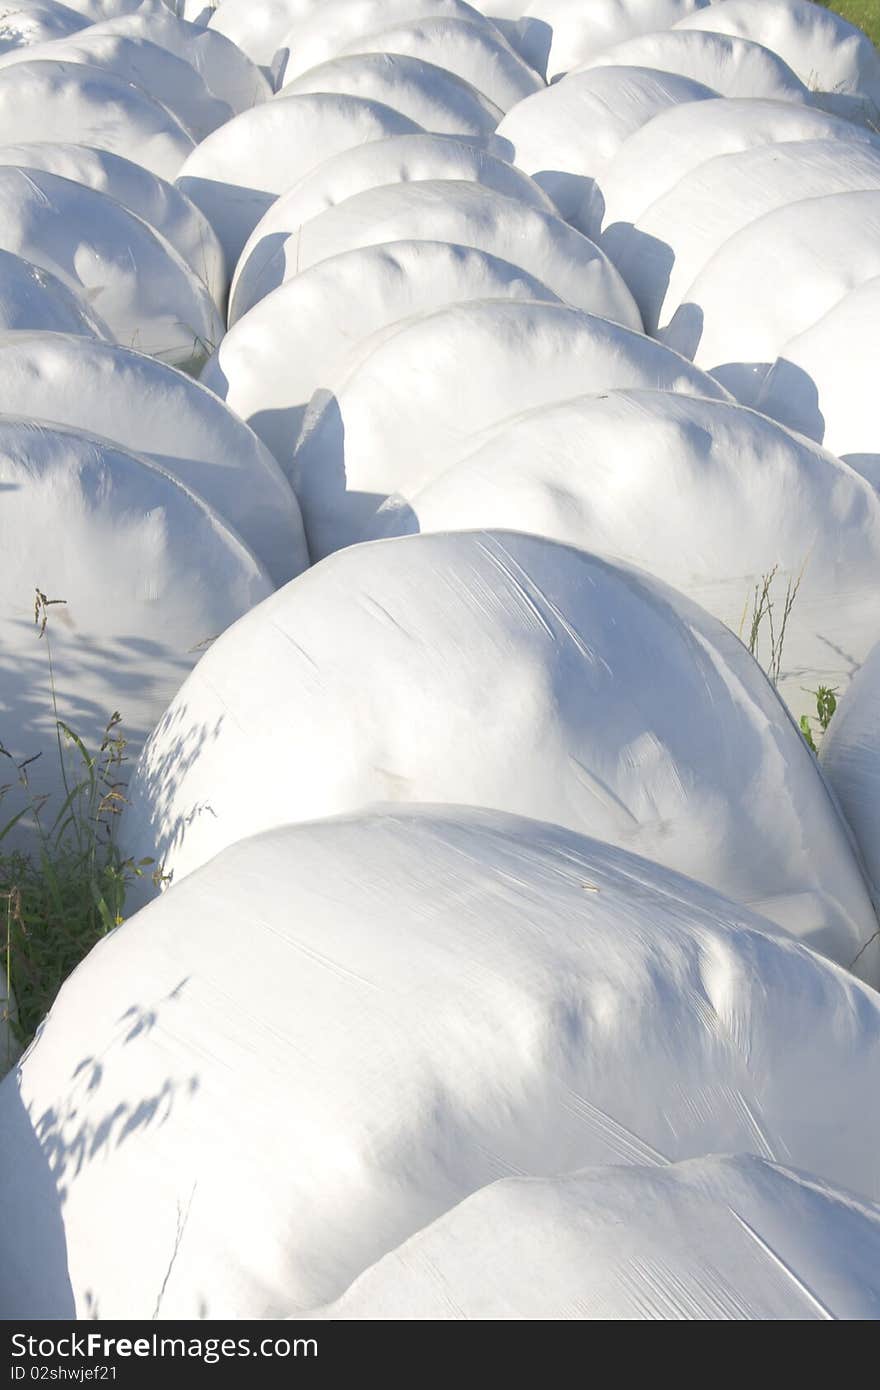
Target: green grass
{"x":59,"y":898}
{"x":763,"y":632}
{"x":864,"y":13}
{"x":826,"y":705}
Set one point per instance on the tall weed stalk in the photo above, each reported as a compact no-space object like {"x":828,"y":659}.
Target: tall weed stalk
{"x":67,"y":890}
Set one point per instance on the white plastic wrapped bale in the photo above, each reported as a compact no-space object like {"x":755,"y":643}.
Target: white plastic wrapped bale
{"x":565,"y":33}
{"x":154,"y":200}
{"x":224,"y":68}
{"x":711,"y":1239}
{"x":824,"y":382}
{"x":771,"y":281}
{"x":146,"y":572}
{"x":504,"y":10}
{"x":472,"y":51}
{"x":565,"y":135}
{"x":507,"y":998}
{"x":851,"y":759}
{"x":97,"y":10}
{"x":827,"y":52}
{"x":167,"y":78}
{"x":22,"y":25}
{"x":254,"y":26}
{"x":465,"y":213}
{"x":32,"y":298}
{"x":385,"y":425}
{"x":74,"y":102}
{"x":199,"y":12}
{"x":399,"y":159}
{"x":237,"y":173}
{"x":435,"y":99}
{"x":406,"y":159}
{"x":618,"y":708}
{"x":145,"y":292}
{"x":734,"y":67}
{"x":265,"y":28}
{"x":507,"y":16}
{"x":707,"y":496}
{"x":329,"y":26}
{"x":299,"y":337}
{"x":653,"y":160}
{"x":163,"y":415}
{"x":677,"y":236}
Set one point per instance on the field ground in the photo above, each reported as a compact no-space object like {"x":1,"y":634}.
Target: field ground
{"x":865,"y":13}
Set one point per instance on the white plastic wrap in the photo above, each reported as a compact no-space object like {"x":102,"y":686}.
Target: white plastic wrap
{"x":154,"y":200}
{"x":164,"y":415}
{"x":772,"y":281}
{"x":433,"y":98}
{"x":679,"y":234}
{"x":565,"y":135}
{"x":225,"y":69}
{"x":397,"y":159}
{"x":652,"y":161}
{"x":148,"y":574}
{"x":472,"y":51}
{"x":33,"y":298}
{"x":734,"y":67}
{"x":356,"y":1024}
{"x":145,"y":292}
{"x":851,"y":758}
{"x":237,"y":173}
{"x":712,"y":1239}
{"x":569,"y":32}
{"x":458,"y":211}
{"x":823,"y":382}
{"x":156,"y":70}
{"x":705,"y":495}
{"x":824,"y":49}
{"x":54,"y":100}
{"x":299,"y":337}
{"x":618,"y":708}
{"x":371,"y":433}
{"x":328,"y":26}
